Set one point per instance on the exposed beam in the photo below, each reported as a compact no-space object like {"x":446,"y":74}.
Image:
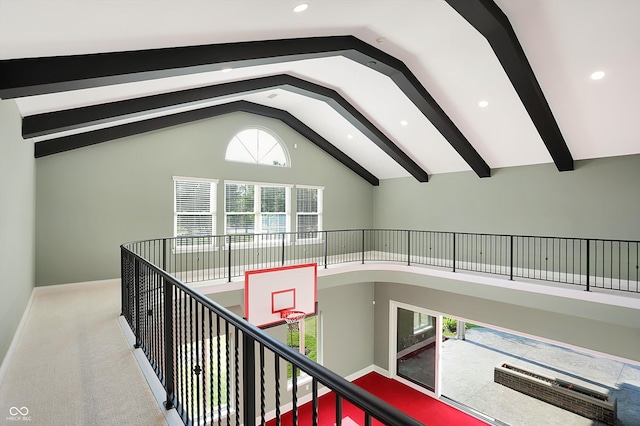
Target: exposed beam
{"x":486,"y":17}
{"x":58,"y":121}
{"x":71,"y":142}
{"x":359,"y":121}
{"x":32,"y":76}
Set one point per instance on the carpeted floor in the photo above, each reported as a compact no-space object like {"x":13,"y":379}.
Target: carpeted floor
{"x":73,"y":366}
{"x":418,"y":405}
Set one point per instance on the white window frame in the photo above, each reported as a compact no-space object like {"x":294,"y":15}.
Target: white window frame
{"x":422,"y":326}
{"x":287,"y":157}
{"x":273,"y":237}
{"x":213,"y":196}
{"x":319,"y":213}
{"x":305,"y":378}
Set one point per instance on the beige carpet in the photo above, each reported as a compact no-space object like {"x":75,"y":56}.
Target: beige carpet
{"x":73,"y":366}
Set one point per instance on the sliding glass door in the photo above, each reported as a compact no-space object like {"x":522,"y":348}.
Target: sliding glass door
{"x":416,"y":349}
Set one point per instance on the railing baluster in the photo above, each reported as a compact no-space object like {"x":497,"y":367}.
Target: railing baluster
{"x":250,"y":405}
{"x":511,"y":257}
{"x":180,"y":337}
{"x":283,"y":260}
{"x":219,"y":375}
{"x":198,"y":361}
{"x":325,"y":242}
{"x":277,"y":386}
{"x":408,"y":248}
{"x":367,"y":419}
{"x":136,"y":287}
{"x":227,"y":353}
{"x":262,"y":387}
{"x":588,"y":260}
{"x":454,"y":251}
{"x":211,"y":379}
{"x":229,"y":259}
{"x":314,"y":402}
{"x":294,"y":394}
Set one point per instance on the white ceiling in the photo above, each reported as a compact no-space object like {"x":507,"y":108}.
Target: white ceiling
{"x":564,"y":40}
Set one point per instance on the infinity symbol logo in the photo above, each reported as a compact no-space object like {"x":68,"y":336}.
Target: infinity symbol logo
{"x":14,"y":411}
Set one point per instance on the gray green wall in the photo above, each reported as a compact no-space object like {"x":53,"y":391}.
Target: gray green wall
{"x":603,"y":328}
{"x":599,"y":199}
{"x":348,"y":332}
{"x":17,"y":222}
{"x":602,"y":325}
{"x":93,"y":199}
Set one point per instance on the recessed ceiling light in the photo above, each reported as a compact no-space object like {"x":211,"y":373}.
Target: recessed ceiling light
{"x":349,"y":136}
{"x":597,"y":75}
{"x":483,"y":104}
{"x":404,"y":123}
{"x":301,"y":7}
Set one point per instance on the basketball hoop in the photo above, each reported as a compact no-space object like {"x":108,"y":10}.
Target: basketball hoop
{"x":291,"y":317}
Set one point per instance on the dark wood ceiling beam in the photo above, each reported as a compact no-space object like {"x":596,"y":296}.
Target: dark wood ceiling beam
{"x":486,"y":17}
{"x":58,"y":121}
{"x":360,"y":122}
{"x":67,"y":143}
{"x":409,"y":84}
{"x":25,"y":77}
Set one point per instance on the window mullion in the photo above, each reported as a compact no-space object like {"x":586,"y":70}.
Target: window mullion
{"x":257,"y":208}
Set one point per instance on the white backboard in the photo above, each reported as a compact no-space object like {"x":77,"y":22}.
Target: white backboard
{"x":270,"y":292}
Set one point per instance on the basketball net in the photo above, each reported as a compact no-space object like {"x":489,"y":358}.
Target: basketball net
{"x":293,"y":319}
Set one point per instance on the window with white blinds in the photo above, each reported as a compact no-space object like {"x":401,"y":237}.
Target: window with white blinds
{"x":252,"y":208}
{"x":308,"y":211}
{"x":194,"y":210}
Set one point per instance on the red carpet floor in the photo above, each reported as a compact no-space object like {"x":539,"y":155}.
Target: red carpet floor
{"x":425,"y":409}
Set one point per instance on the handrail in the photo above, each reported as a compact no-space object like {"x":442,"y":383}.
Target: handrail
{"x":586,"y":262}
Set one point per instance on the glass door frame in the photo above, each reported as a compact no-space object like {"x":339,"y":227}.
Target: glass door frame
{"x":393,"y":346}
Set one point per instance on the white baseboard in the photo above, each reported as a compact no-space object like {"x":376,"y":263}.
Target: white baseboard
{"x":382,"y":372}
{"x":322,"y":390}
{"x":16,"y":337}
{"x":74,"y":286}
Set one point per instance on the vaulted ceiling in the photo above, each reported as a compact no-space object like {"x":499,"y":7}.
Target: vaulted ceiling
{"x":390,"y":88}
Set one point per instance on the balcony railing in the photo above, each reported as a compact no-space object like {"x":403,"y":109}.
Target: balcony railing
{"x":589,"y":263}
{"x":215,"y":365}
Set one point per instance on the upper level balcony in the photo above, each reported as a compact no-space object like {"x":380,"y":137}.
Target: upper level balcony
{"x":530,"y":272}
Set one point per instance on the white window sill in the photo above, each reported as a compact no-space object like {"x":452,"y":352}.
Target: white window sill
{"x":302,"y":381}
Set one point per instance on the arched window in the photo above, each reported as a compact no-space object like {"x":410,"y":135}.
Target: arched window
{"x":257,"y":146}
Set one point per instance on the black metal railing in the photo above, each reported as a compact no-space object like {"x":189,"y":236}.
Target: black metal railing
{"x":213,"y":364}
{"x":589,"y":263}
